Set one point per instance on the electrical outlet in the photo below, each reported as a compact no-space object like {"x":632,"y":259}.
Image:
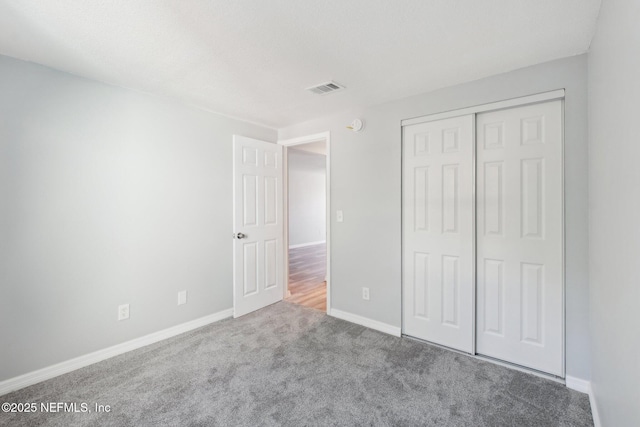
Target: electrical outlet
{"x":182,"y":297}
{"x":365,"y":294}
{"x":339,"y":216}
{"x":123,"y":312}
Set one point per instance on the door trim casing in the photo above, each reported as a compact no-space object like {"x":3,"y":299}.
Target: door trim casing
{"x":322,"y":136}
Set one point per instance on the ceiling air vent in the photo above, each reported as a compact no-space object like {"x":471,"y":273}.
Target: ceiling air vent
{"x":325,"y":88}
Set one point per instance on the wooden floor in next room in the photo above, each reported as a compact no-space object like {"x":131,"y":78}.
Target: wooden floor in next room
{"x":307,"y":274}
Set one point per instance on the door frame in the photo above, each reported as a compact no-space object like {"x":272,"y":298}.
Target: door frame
{"x":558,"y":94}
{"x":322,"y":136}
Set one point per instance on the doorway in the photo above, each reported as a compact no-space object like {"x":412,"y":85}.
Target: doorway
{"x":307,"y":221}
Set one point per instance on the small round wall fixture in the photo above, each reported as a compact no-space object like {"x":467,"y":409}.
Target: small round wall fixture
{"x":356,"y":125}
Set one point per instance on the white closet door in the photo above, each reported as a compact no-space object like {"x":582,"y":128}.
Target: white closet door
{"x":519,"y":242}
{"x":438,"y":232}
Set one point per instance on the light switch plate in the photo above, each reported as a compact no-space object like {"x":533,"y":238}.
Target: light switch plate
{"x":182,"y":297}
{"x":339,"y":216}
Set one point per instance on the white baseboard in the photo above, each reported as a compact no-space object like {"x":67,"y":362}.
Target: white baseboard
{"x":584,"y":386}
{"x":49,"y":372}
{"x":364,"y":321}
{"x":578,"y":384}
{"x":594,"y":407}
{"x":302,"y":245}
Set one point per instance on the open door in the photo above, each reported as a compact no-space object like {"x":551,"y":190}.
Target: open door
{"x":258,"y":266}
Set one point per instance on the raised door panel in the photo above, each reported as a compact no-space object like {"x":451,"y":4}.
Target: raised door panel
{"x":270,"y":263}
{"x":450,"y":198}
{"x":531,"y":303}
{"x":250,"y":200}
{"x":450,"y":290}
{"x":493,"y":198}
{"x":420,"y":286}
{"x":249,"y":156}
{"x":421,"y":144}
{"x":493,"y":300}
{"x":250,"y":277}
{"x":271,"y":200}
{"x":421,"y":198}
{"x":532,"y":198}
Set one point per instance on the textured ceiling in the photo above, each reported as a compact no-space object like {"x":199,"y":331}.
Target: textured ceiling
{"x":252,"y":59}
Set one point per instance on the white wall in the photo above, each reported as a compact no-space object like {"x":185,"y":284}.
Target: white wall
{"x":307,"y":197}
{"x":614,"y":212}
{"x":366,"y":185}
{"x":108,"y":196}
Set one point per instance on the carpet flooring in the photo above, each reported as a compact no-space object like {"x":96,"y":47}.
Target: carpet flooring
{"x":294,"y":366}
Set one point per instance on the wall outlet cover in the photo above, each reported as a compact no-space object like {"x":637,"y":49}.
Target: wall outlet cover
{"x":182,"y":297}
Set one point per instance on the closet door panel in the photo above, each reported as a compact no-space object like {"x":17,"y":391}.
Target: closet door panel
{"x":438,"y":232}
{"x":520,"y":282}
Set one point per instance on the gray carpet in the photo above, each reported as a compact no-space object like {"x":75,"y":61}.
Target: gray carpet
{"x":289,"y":365}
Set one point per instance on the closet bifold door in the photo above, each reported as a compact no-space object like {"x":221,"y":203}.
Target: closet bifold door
{"x":520,"y":286}
{"x":438,"y":231}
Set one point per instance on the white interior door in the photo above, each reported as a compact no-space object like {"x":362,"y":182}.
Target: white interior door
{"x":438,"y":232}
{"x":519,"y":242}
{"x":258,"y":278}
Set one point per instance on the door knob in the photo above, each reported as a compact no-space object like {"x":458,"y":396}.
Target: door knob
{"x":239,"y":236}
